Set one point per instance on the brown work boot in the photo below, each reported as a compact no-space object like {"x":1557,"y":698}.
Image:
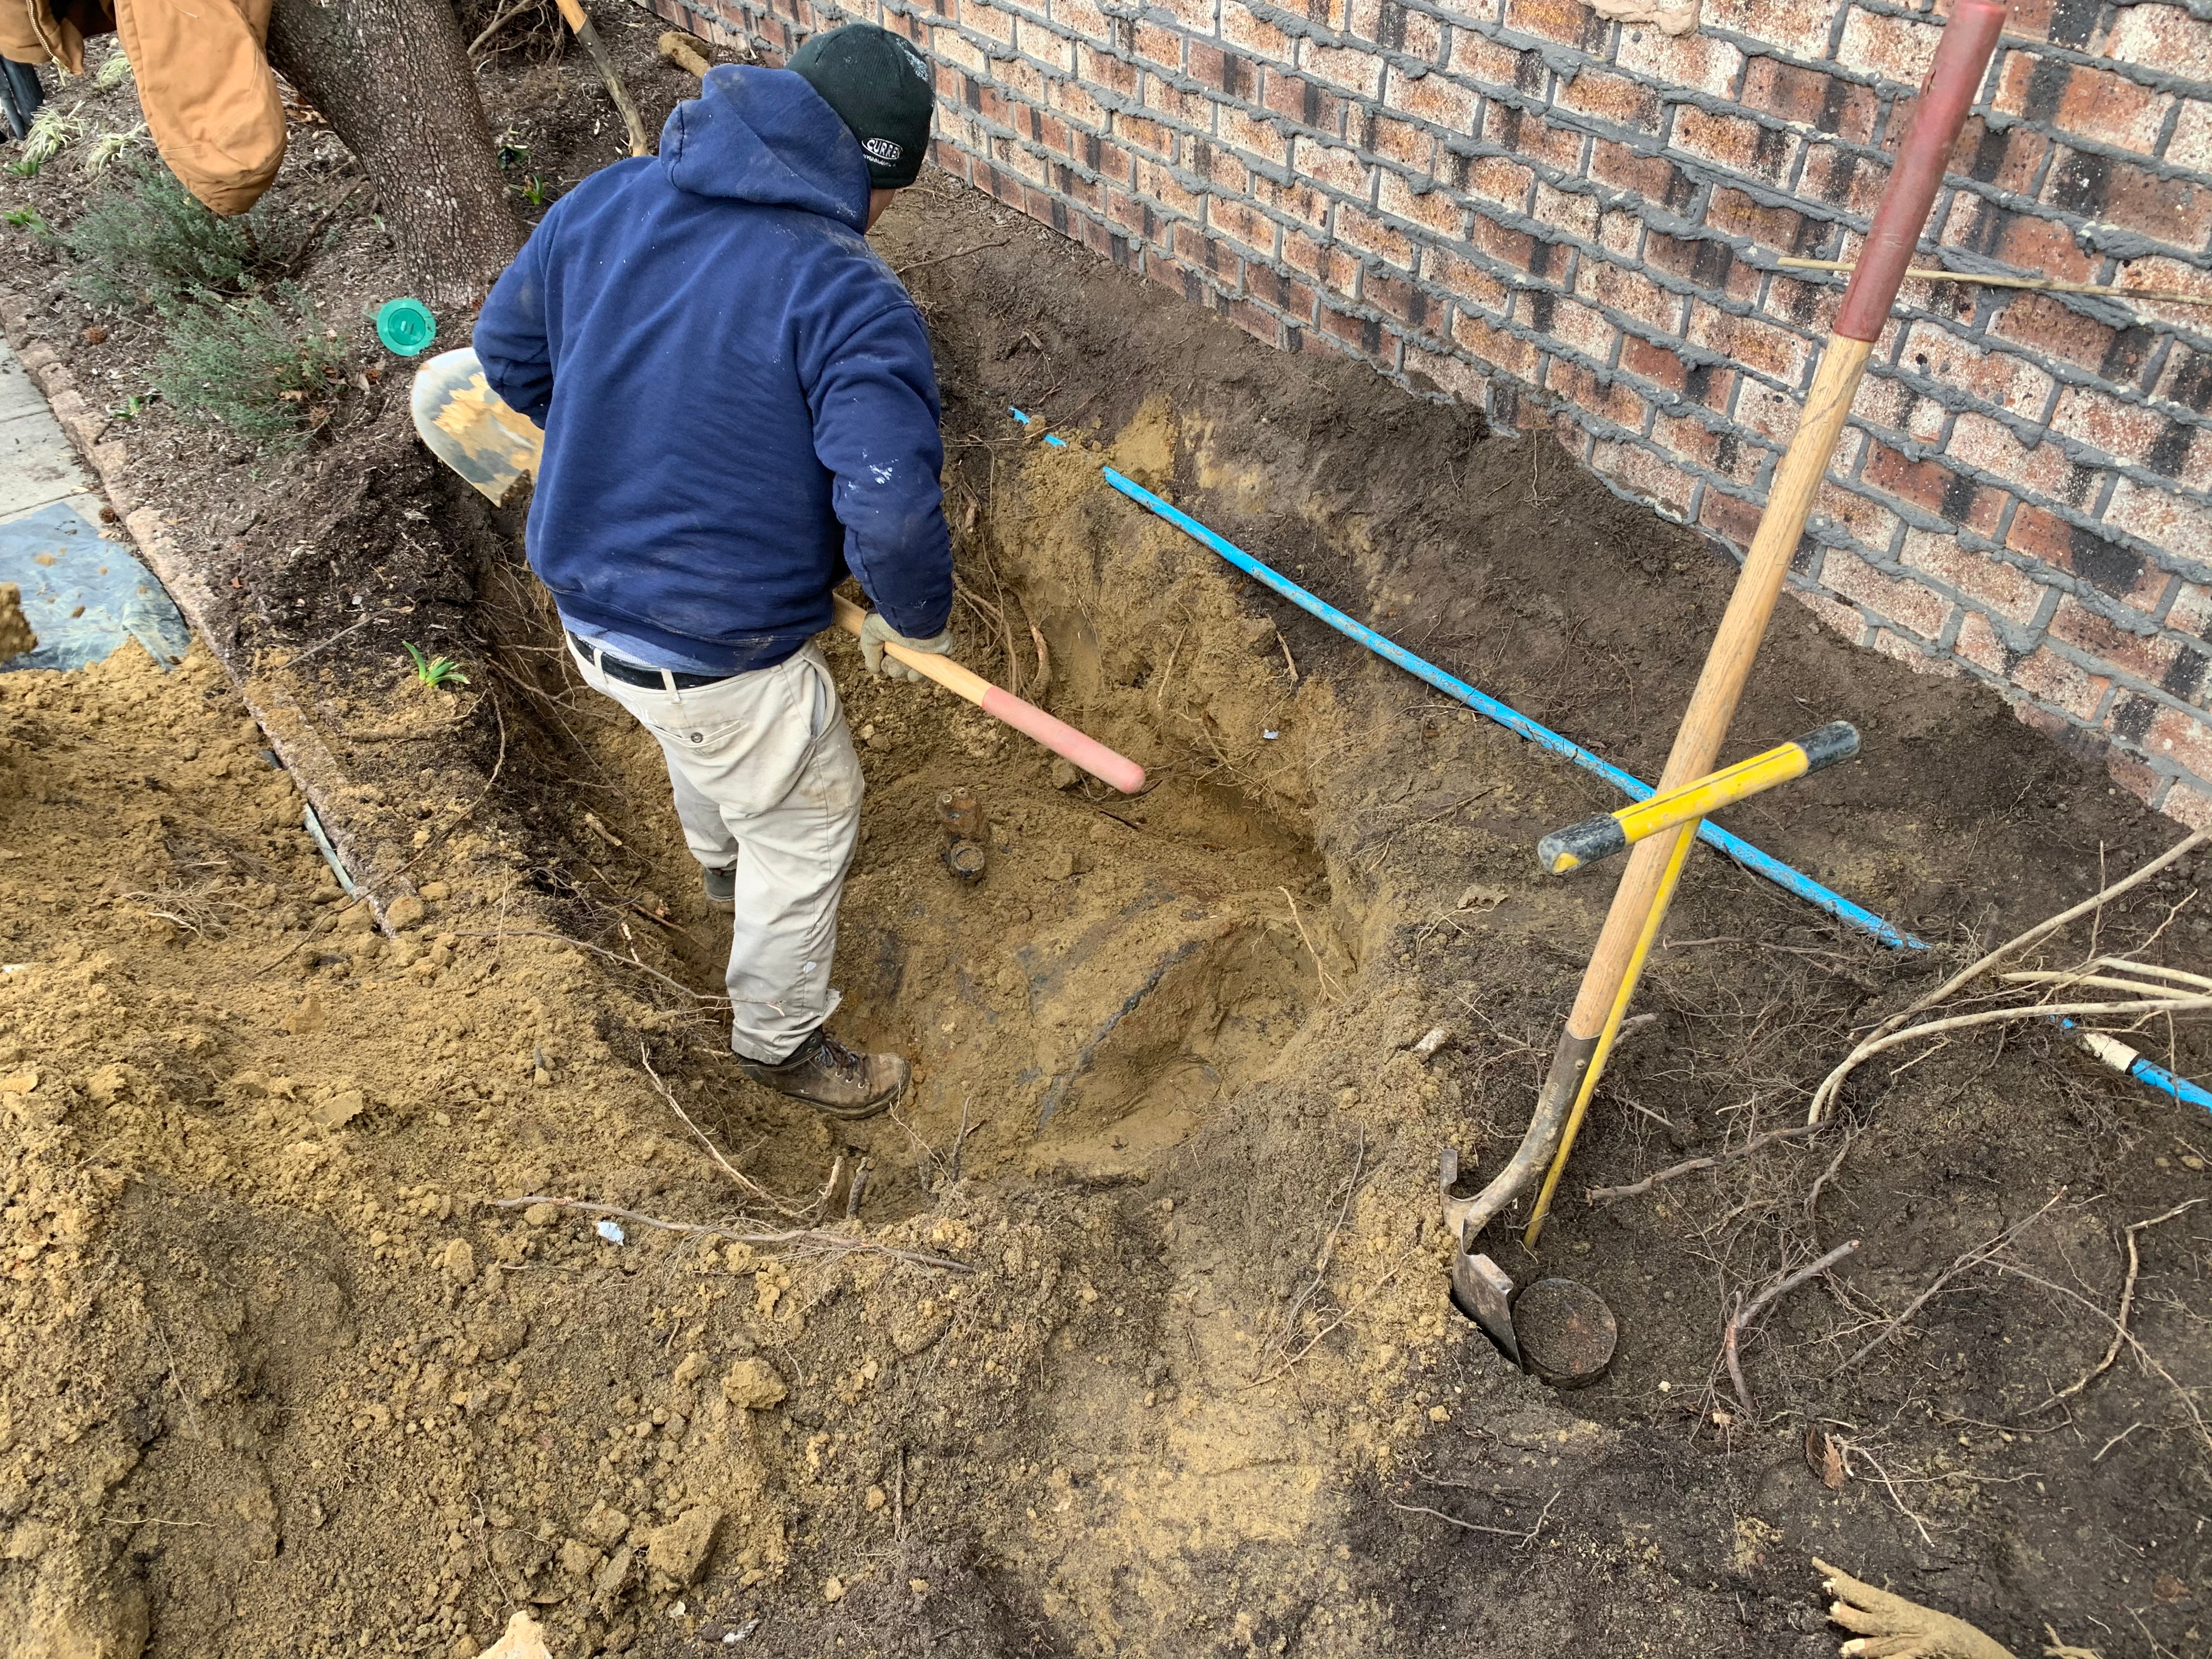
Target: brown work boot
{"x":830,"y":1077}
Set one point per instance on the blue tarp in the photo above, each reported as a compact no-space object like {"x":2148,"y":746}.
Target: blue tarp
{"x":84,"y":596}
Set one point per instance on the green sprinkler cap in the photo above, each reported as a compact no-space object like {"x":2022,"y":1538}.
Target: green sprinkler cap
{"x":406,"y":326}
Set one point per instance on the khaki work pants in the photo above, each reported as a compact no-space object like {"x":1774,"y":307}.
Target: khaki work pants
{"x":767,"y":783}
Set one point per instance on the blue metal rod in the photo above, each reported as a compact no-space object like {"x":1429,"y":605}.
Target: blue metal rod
{"x":1511,"y":718}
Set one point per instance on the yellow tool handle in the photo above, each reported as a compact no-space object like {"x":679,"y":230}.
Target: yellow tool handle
{"x":1593,"y":839}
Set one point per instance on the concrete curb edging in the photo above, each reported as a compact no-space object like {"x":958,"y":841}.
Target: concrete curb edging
{"x":376,"y":866}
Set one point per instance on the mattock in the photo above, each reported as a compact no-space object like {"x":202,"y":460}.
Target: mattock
{"x":1481,"y":1288}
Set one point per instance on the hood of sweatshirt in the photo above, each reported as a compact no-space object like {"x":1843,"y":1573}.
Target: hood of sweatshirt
{"x":764,"y":136}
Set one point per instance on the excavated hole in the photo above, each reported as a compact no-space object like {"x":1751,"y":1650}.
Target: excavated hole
{"x":1124,"y":964}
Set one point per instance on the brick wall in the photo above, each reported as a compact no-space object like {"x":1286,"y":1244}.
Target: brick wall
{"x":1576,"y":223}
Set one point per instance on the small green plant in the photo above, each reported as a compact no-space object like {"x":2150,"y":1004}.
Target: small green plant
{"x":101,"y":154}
{"x":114,"y":70}
{"x":537,"y":192}
{"x":130,"y":408}
{"x":148,"y":240}
{"x":433,"y":672}
{"x":28,"y":219}
{"x":270,"y":376}
{"x":511,"y":151}
{"x":52,"y":129}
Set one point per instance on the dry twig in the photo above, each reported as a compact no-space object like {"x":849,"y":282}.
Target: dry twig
{"x":2127,"y":1305}
{"x":1691,"y":1166}
{"x":1519,"y":1538}
{"x":1748,"y":1313}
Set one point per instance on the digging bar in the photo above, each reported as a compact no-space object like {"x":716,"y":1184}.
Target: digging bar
{"x":1655,"y":865}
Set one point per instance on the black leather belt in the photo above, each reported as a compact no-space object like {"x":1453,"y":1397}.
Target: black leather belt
{"x":631,"y":673}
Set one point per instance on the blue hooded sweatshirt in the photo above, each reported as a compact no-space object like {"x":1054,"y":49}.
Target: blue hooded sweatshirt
{"x":736,"y":392}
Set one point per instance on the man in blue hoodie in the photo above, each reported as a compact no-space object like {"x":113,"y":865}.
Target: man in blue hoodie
{"x":739,"y":409}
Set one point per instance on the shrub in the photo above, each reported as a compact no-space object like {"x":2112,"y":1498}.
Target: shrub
{"x":270,"y":376}
{"x":149,"y":240}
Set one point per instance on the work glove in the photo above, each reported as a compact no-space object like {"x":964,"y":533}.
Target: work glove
{"x":876,"y":633}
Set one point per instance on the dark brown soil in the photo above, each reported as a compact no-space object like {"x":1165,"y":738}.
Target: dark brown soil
{"x":1206,"y":1394}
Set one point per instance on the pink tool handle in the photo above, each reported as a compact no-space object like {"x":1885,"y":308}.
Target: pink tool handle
{"x":1961,"y":57}
{"x":1064,"y":741}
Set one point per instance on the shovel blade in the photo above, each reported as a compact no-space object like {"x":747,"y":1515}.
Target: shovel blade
{"x":468,"y":427}
{"x":1482,"y":1290}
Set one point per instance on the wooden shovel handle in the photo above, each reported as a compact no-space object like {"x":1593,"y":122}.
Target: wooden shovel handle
{"x":1057,"y":735}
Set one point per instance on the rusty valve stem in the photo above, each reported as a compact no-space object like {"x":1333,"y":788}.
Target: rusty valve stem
{"x":961,"y":819}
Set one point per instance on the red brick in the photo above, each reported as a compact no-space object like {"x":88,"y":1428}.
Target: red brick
{"x":1663,"y":365}
{"x":1358,"y":228}
{"x":2145,"y":656}
{"x":1242,"y":224}
{"x":1758,"y":345}
{"x":1990,"y":583}
{"x":1228,"y":72}
{"x":1653,"y":177}
{"x":1196,"y":15}
{"x":986,"y":19}
{"x":1865,"y":520}
{"x":1735,"y":141}
{"x":1155,"y":45}
{"x":2192,"y":144}
{"x":1609,"y":398}
{"x":1508,"y":246}
{"x":1294,"y":200}
{"x":1183,"y":108}
{"x":1630,"y":292}
{"x":1104,"y":70}
{"x":1646,"y":472}
{"x":1842,"y":178}
{"x":1431,"y":98}
{"x":1260,"y":323}
{"x":2189,"y":807}
{"x":1997,"y":377}
{"x":1735,"y":213}
{"x":1892,"y":48}
{"x":1494,"y":179}
{"x":1722,"y":453}
{"x":1433,"y":210}
{"x":1158,"y":186}
{"x":1928,"y":485}
{"x":1490,"y":63}
{"x":1987,"y":445}
{"x":2042,"y":325}
{"x":1979,"y":642}
{"x":1245,"y":30}
{"x":1565,"y":20}
{"x":1906,"y":604}
{"x":1493,"y":346}
{"x":2123,"y":431}
{"x":1241,"y":132}
{"x":1363,"y":335}
{"x":1339,"y":169}
{"x":1614,"y":99}
{"x":1304,"y":101}
{"x":1082,"y":17}
{"x":2051,"y":678}
{"x":1041,"y":44}
{"x":1466,"y":282}
{"x":2171,"y":210}
{"x":1726,"y":515}
{"x":2164,"y":38}
{"x":1148,"y":138}
{"x":1406,"y":301}
{"x":1702,"y":63}
{"x":2183,"y":738}
{"x":1331,"y":269}
{"x":1345,"y":67}
{"x":1447,"y":373}
{"x":1403,"y":142}
{"x":2162,"y":518}
{"x":1811,"y":98}
{"x":2008,"y":159}
{"x":2110,"y":567}
{"x":1293,"y":298}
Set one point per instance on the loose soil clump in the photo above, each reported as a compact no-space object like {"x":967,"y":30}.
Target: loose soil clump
{"x":371,"y":1284}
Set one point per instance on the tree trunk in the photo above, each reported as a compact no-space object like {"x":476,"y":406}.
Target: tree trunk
{"x":392,"y":77}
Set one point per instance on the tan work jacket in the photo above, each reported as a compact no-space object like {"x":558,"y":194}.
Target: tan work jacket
{"x":210,"y":98}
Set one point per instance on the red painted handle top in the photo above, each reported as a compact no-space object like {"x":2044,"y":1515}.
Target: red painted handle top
{"x":1962,"y":57}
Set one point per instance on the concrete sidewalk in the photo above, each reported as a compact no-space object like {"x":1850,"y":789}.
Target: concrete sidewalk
{"x":83,"y":595}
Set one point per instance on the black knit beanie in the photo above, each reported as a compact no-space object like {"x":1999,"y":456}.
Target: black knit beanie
{"x":879,"y":85}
